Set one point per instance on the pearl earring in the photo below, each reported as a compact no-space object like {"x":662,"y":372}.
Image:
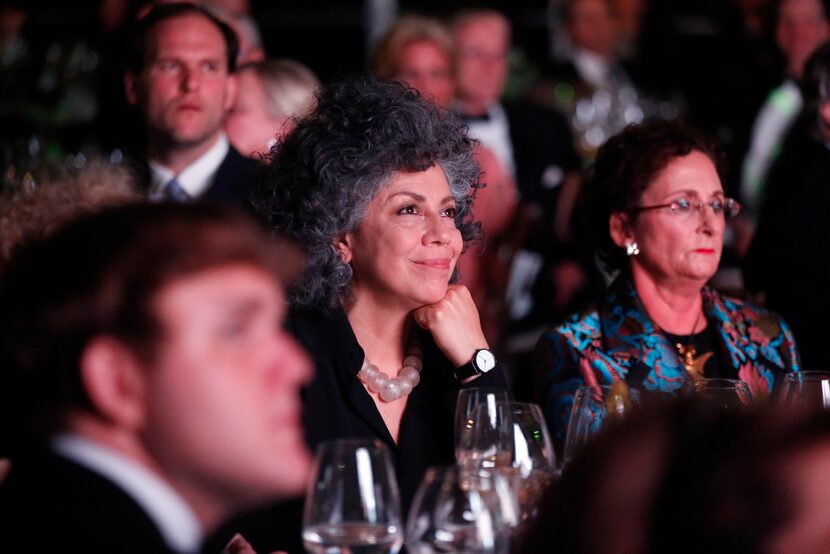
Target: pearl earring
{"x":632,"y":249}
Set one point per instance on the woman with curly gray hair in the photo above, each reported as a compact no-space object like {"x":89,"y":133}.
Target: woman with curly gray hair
{"x":375,"y":183}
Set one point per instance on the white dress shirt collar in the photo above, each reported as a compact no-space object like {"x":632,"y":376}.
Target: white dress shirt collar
{"x":593,"y":68}
{"x":196,"y":178}
{"x":494,"y":133}
{"x":172,"y":516}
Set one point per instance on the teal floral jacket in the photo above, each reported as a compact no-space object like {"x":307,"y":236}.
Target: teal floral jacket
{"x":617,"y":341}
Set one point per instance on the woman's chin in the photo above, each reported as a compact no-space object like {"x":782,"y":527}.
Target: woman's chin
{"x":427,"y":298}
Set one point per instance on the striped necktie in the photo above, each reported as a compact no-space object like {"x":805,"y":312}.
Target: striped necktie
{"x":174,"y":192}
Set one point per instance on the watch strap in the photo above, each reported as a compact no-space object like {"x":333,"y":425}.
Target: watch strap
{"x":466,"y":371}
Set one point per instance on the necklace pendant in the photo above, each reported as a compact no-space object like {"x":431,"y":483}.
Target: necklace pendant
{"x":691,"y":361}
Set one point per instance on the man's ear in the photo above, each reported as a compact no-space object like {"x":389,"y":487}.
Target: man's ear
{"x":115,"y":381}
{"x":130,"y":88}
{"x":619,"y":224}
{"x":343,"y":247}
{"x":231,"y":86}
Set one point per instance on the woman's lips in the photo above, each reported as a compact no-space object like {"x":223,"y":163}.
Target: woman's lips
{"x":442,"y":263}
{"x":705,"y":250}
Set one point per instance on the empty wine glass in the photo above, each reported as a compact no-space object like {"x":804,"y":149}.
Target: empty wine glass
{"x":532,"y":446}
{"x":533,"y":461}
{"x":352,"y":503}
{"x":594,"y":407}
{"x":723,"y":394}
{"x":460,"y":510}
{"x":480,"y":431}
{"x":809,"y":390}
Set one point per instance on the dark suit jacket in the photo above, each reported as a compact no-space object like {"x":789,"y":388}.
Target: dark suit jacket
{"x":542,"y":148}
{"x":336,"y":405}
{"x":234,"y":180}
{"x":50,"y":504}
{"x":231,"y":185}
{"x":787,"y":260}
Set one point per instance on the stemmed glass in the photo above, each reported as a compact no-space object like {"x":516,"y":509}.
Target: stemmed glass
{"x":476,"y":412}
{"x":806,"y":390}
{"x":460,"y":510}
{"x":352,"y":502}
{"x":533,"y":459}
{"x":594,"y":407}
{"x":724,"y":394}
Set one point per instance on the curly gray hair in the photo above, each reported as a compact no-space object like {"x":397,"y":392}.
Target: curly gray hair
{"x":322,"y":176}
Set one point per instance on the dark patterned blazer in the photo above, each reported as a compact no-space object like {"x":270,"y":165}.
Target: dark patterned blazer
{"x":616,"y":340}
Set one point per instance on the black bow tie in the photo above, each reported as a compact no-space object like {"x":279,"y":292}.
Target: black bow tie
{"x":484,"y":117}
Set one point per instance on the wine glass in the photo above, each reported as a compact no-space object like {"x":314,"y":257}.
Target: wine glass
{"x":806,"y":390}
{"x":532,"y":446}
{"x":475,"y":425}
{"x":460,"y":510}
{"x":724,"y":394}
{"x":533,"y":460}
{"x":594,"y":407}
{"x":352,"y":502}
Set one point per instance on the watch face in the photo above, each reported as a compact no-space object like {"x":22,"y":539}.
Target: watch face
{"x":485,"y":361}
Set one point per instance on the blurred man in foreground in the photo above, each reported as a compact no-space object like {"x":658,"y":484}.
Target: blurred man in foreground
{"x":149,"y":392}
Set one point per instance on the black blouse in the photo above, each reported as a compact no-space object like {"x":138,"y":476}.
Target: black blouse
{"x":337,"y":405}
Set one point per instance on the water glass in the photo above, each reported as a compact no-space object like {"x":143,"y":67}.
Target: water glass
{"x":481,"y":431}
{"x":461,"y":510}
{"x":352,"y":502}
{"x":806,"y":390}
{"x":723,"y":394}
{"x":533,"y":460}
{"x":594,"y":407}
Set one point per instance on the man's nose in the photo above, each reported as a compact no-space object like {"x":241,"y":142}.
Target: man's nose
{"x":190,"y":79}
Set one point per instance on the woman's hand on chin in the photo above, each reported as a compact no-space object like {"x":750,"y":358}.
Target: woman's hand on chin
{"x":454,"y":324}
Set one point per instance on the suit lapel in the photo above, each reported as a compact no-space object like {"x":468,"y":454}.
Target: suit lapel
{"x":731,"y":332}
{"x":734,"y":331}
{"x":628,"y":330}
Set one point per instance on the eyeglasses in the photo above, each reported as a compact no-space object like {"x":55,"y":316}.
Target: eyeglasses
{"x":728,"y":207}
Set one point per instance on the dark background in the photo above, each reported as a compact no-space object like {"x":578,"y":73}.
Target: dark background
{"x":699,"y":53}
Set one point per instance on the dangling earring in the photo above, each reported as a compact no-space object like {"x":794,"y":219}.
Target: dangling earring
{"x":632,"y":249}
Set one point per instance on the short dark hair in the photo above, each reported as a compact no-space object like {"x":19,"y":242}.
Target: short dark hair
{"x":566,"y":9}
{"x":322,"y":176}
{"x":625,"y":167}
{"x":97,"y":276}
{"x":139,"y":47}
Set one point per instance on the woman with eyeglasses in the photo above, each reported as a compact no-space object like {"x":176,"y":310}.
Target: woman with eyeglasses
{"x":655,"y":207}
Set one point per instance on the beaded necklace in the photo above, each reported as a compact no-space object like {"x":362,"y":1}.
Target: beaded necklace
{"x":392,"y":388}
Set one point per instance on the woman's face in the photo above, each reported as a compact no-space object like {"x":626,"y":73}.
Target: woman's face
{"x":426,"y":67}
{"x":404,"y":251}
{"x":674,"y":247}
{"x":249,"y":124}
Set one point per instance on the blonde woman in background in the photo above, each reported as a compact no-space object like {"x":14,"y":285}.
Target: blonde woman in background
{"x":271,"y":93}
